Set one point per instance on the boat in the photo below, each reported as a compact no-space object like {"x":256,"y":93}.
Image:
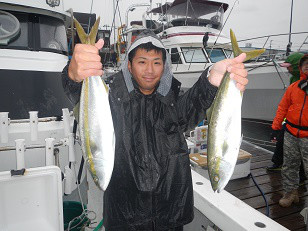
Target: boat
{"x":191,"y":32}
{"x":36,"y":131}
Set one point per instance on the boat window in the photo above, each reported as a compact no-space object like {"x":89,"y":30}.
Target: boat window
{"x":194,"y":55}
{"x":52,"y":34}
{"x":229,"y":54}
{"x":216,"y":55}
{"x":36,"y":33}
{"x":175,"y":56}
{"x":21,"y":39}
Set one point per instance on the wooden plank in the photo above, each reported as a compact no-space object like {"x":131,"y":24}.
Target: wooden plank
{"x":292,"y":222}
{"x":258,"y":158}
{"x":261,"y":164}
{"x":276,"y":211}
{"x":262,"y":171}
{"x":248,"y":182}
{"x":253,"y":191}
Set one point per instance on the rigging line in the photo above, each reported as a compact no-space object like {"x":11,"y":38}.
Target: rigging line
{"x":210,"y":53}
{"x":111,"y":28}
{"x":257,"y":122}
{"x":90,"y":16}
{"x":258,"y":140}
{"x":225,"y":20}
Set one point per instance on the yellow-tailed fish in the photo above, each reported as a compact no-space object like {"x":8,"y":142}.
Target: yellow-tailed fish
{"x":95,"y":121}
{"x":224,"y":134}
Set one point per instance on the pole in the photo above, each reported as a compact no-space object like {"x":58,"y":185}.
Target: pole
{"x":290,"y":43}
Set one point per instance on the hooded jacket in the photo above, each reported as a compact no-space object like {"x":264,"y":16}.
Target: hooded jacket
{"x":151,"y":185}
{"x":293,"y":59}
{"x":294,"y":107}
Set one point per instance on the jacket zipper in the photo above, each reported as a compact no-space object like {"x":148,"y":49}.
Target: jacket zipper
{"x":300,"y":117}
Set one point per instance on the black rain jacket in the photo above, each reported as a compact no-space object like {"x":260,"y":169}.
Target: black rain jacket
{"x":151,"y":185}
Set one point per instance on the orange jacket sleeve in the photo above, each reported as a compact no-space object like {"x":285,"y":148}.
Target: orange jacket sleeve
{"x":282,"y":109}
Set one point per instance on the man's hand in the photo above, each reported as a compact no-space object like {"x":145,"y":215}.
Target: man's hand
{"x":236,"y":68}
{"x":274,"y":135}
{"x":86,"y":61}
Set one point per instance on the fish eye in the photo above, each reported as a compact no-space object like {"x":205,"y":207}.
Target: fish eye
{"x":216,"y":178}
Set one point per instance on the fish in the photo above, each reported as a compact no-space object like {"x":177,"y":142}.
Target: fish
{"x":224,"y":125}
{"x":95,"y":121}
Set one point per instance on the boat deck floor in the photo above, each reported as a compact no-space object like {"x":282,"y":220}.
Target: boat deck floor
{"x":271,"y":185}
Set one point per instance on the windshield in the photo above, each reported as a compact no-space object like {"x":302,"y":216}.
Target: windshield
{"x":52,"y":34}
{"x":194,"y":55}
{"x":198,"y":14}
{"x":38,"y":33}
{"x":216,"y":54}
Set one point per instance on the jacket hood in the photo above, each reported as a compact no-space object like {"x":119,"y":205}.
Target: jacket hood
{"x":293,"y":59}
{"x":166,"y":79}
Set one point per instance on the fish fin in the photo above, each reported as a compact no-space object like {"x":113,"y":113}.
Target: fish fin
{"x":106,"y":87}
{"x":81,"y":33}
{"x":94,"y":30}
{"x":237,"y":51}
{"x":76,"y":112}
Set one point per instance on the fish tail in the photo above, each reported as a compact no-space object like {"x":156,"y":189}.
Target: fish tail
{"x":237,"y":51}
{"x":84,"y":37}
{"x":94,"y":30}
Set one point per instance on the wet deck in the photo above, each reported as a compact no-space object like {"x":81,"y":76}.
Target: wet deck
{"x":271,"y":185}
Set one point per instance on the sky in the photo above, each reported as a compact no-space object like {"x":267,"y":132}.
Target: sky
{"x":249,"y":18}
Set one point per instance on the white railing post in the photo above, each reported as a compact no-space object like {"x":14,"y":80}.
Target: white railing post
{"x":66,"y":121}
{"x":4,"y":126}
{"x":33,"y":125}
{"x":20,"y":154}
{"x":71,"y":148}
{"x":68,"y":180}
{"x":49,"y":150}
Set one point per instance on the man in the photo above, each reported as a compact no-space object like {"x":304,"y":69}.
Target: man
{"x":294,"y":107}
{"x":151,"y":185}
{"x":277,"y":136}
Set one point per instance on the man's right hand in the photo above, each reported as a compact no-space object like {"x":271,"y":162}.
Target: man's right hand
{"x":274,"y":135}
{"x":86,"y":61}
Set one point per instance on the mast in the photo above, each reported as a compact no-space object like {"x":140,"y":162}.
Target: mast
{"x":290,"y":43}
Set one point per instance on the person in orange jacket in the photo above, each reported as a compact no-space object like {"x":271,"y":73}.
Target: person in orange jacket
{"x":294,"y":107}
{"x":292,"y":65}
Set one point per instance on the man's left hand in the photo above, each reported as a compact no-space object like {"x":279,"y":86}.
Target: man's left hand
{"x":236,"y":68}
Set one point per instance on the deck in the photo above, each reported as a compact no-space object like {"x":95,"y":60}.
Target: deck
{"x":271,"y":185}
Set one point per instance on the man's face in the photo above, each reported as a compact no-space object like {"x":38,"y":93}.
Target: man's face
{"x":147,"y":68}
{"x":290,"y":69}
{"x":304,"y":67}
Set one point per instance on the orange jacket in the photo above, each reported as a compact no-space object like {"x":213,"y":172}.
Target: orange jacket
{"x":294,"y":107}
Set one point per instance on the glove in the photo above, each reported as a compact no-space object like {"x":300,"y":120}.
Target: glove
{"x":274,"y":135}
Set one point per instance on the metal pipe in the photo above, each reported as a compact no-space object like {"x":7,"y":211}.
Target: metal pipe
{"x":38,"y":146}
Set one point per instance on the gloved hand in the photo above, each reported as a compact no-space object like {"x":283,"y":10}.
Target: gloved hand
{"x":274,"y":135}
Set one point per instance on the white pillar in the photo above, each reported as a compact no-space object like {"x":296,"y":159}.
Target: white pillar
{"x":68,"y":180}
{"x":4,"y":126}
{"x":33,"y":125}
{"x":20,"y":153}
{"x":71,"y":148}
{"x":49,"y":152}
{"x":66,"y":121}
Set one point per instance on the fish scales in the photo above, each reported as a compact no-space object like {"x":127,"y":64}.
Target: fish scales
{"x":224,"y":140}
{"x":224,"y":134}
{"x":95,"y":122}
